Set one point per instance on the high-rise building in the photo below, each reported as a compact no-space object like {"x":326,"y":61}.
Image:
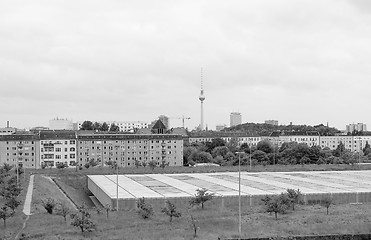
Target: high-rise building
{"x":235,"y":119}
{"x":360,"y":127}
{"x":271,"y":122}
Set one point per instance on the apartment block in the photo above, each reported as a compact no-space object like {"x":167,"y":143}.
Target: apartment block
{"x":58,"y":147}
{"x":127,"y":148}
{"x":21,"y":149}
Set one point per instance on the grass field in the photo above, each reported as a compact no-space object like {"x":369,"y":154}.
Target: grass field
{"x":212,"y":221}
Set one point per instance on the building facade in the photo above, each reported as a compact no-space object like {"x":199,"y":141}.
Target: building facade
{"x":129,"y":148}
{"x":125,"y":126}
{"x":241,"y":138}
{"x":60,"y":124}
{"x":20,"y":149}
{"x":235,"y":119}
{"x":360,"y":127}
{"x":271,"y":122}
{"x":58,"y":147}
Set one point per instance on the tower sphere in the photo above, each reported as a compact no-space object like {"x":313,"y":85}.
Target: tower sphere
{"x":202,"y":97}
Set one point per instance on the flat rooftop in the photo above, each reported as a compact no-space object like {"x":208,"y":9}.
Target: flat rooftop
{"x":226,"y":183}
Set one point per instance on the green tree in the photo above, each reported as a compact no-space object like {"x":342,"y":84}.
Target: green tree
{"x":5,"y":213}
{"x":326,"y":202}
{"x":164,"y":164}
{"x":63,"y":210}
{"x":265,"y":146}
{"x":245,"y":148}
{"x":339,"y":150}
{"x":220,"y":151}
{"x":294,"y":196}
{"x":152,"y":164}
{"x":81,"y":219}
{"x":49,"y":204}
{"x":104,"y":127}
{"x":114,"y":128}
{"x":259,"y":156}
{"x":233,"y":144}
{"x":171,"y":210}
{"x":277,"y":204}
{"x":87,"y":125}
{"x":215,"y":142}
{"x":201,"y":197}
{"x":144,"y":209}
{"x":201,"y":157}
{"x":137,"y":163}
{"x":367,"y":149}
{"x":97,"y":126}
{"x":187,"y":152}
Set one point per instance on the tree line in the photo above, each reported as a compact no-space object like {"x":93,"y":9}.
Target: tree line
{"x":265,"y":153}
{"x":101,"y":127}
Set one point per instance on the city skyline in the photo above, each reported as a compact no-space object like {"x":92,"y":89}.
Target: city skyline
{"x":300,"y":61}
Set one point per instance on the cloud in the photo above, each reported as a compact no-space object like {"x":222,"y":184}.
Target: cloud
{"x":134,"y":60}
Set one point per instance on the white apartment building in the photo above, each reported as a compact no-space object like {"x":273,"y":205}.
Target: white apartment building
{"x":241,"y":139}
{"x":58,"y":147}
{"x":128,"y":148}
{"x":60,"y":124}
{"x":309,"y":138}
{"x":125,"y":126}
{"x":351,"y":143}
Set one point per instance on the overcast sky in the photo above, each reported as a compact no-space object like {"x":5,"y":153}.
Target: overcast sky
{"x":306,"y":62}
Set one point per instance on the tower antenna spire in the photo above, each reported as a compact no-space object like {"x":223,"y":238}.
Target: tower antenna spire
{"x":202,"y":98}
{"x":202,"y":80}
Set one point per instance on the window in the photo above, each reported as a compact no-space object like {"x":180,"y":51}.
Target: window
{"x":57,"y":149}
{"x":72,"y":142}
{"x":65,"y":149}
{"x":72,"y":149}
{"x":57,"y":156}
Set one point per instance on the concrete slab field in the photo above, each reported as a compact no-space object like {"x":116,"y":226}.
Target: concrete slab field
{"x":341,"y":186}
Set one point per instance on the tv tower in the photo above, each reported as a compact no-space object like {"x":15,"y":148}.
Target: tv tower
{"x":202,"y":98}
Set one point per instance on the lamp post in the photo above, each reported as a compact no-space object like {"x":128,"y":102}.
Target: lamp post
{"x":239,"y":193}
{"x":117,"y":180}
{"x":250,"y":155}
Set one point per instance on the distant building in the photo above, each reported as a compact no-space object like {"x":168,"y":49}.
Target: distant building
{"x":60,"y":124}
{"x":220,"y":127}
{"x":21,"y":149}
{"x":235,"y":119}
{"x":360,"y":127}
{"x":7,"y":131}
{"x":271,"y":122}
{"x":165,"y":120}
{"x":124,"y":126}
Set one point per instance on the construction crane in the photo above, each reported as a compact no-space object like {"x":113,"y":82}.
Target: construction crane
{"x":183,"y":118}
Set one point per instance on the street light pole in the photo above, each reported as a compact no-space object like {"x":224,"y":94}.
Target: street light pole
{"x":117,"y":186}
{"x":239,"y":193}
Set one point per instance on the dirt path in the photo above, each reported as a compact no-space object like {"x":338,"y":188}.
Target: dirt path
{"x":27,"y":204}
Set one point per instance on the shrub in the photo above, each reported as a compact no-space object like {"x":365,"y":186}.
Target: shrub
{"x":294,"y":196}
{"x":62,"y":210}
{"x":82,"y":220}
{"x":170,"y":210}
{"x":49,"y":204}
{"x":326,"y":202}
{"x":144,"y":210}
